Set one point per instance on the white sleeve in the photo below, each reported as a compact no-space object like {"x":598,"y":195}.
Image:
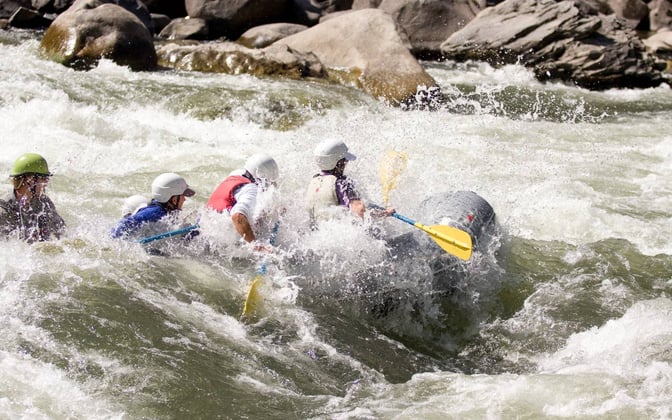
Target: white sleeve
{"x":246,"y":200}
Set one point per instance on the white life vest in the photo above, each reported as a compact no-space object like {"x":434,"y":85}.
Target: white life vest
{"x":322,"y":199}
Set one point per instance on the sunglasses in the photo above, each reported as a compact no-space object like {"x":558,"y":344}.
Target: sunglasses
{"x":37,"y":177}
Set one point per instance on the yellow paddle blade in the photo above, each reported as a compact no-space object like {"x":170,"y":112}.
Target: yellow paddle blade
{"x":253,"y":299}
{"x":452,"y":240}
{"x":391,"y":168}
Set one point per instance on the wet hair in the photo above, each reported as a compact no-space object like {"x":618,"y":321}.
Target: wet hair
{"x":18,"y":180}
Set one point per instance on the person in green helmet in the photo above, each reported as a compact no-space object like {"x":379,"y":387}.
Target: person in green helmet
{"x":27,"y":213}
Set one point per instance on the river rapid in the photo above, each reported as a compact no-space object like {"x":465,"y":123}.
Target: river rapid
{"x":566,"y":313}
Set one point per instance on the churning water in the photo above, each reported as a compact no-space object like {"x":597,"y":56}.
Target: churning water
{"x":566,"y":314}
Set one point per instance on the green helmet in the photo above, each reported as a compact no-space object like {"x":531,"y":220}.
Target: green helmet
{"x":30,"y":163}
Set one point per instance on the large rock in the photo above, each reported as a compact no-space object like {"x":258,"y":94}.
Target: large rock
{"x":8,"y":7}
{"x":80,"y":37}
{"x":365,"y":4}
{"x":559,"y":42}
{"x":52,"y":6}
{"x":364,"y":49}
{"x":230,"y":18}
{"x":632,"y":11}
{"x":137,"y":7}
{"x":264,"y":35}
{"x":185,"y":28}
{"x":172,"y":8}
{"x":660,"y":44}
{"x":28,"y":19}
{"x":232,"y":58}
{"x":430,"y":22}
{"x":660,"y":14}
{"x":309,"y":12}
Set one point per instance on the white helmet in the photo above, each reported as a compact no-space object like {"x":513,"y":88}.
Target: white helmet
{"x":169,"y":184}
{"x":133,"y":204}
{"x":329,"y":152}
{"x":262,"y":167}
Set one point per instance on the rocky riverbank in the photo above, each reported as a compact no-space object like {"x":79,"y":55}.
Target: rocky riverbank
{"x":372,"y":45}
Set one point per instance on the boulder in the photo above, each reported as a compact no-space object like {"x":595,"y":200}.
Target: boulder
{"x":505,"y":33}
{"x":660,"y":14}
{"x":28,"y":19}
{"x":363,"y":49}
{"x":80,"y":37}
{"x":137,"y":7}
{"x":309,"y":12}
{"x":52,"y":6}
{"x":660,"y":44}
{"x":559,"y":42}
{"x":428,"y":23}
{"x":230,"y":18}
{"x":365,"y":4}
{"x":264,"y":35}
{"x":632,"y":11}
{"x":171,"y":8}
{"x":8,"y":7}
{"x":159,"y":21}
{"x":186,"y":28}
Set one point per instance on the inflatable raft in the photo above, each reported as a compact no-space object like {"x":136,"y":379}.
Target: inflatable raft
{"x":417,"y":268}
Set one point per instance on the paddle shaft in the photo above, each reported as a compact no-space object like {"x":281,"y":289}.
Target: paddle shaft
{"x":168,"y":234}
{"x":252,"y":298}
{"x":431,"y":231}
{"x":274,"y":233}
{"x":452,"y":240}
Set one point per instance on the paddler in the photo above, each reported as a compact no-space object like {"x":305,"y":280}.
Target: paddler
{"x":169,"y":191}
{"x":27,"y":212}
{"x":330,"y":192}
{"x":246,"y":195}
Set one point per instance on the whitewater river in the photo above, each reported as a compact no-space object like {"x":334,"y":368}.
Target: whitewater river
{"x":567,"y":313}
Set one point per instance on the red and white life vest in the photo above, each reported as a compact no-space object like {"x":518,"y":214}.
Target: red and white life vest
{"x":222,"y":198}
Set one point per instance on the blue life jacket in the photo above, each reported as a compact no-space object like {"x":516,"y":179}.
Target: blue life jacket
{"x":130,"y":224}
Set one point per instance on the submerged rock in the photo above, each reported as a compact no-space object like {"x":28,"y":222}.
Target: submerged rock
{"x":232,"y":58}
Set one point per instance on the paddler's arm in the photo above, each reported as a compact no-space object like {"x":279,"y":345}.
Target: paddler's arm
{"x":242,"y":226}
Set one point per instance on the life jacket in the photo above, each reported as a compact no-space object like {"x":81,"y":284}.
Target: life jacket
{"x":38,"y":222}
{"x":223,"y":199}
{"x":147,"y":215}
{"x":322,"y":199}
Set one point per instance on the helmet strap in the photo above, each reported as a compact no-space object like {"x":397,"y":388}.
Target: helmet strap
{"x":249,"y":176}
{"x":340,"y":167}
{"x":18,"y":181}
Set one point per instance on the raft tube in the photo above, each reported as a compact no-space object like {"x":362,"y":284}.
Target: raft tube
{"x":418,"y":269}
{"x":464,"y":210}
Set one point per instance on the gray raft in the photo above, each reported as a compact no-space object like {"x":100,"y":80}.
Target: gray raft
{"x":418,"y":269}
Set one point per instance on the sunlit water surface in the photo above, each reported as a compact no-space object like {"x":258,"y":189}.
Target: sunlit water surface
{"x":565,"y":313}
